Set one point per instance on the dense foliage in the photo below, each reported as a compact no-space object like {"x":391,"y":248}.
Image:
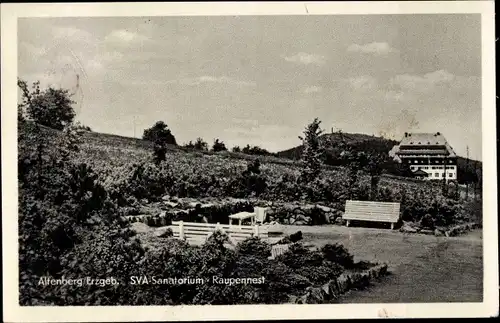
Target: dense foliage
{"x":159,"y":133}
{"x":50,"y":107}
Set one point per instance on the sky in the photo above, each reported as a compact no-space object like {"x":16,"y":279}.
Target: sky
{"x":260,"y":80}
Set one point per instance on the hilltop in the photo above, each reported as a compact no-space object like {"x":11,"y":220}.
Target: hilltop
{"x":370,"y":144}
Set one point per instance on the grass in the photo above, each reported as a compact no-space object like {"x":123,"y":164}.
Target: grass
{"x":423,"y":268}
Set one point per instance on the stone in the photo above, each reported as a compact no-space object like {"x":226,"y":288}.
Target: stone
{"x":324,"y":208}
{"x":339,"y":220}
{"x":407,"y":228}
{"x":438,"y":233}
{"x":163,"y":232}
{"x":171,"y":204}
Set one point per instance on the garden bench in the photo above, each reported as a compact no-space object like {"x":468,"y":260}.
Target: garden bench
{"x":371,"y":211}
{"x":197,"y":233}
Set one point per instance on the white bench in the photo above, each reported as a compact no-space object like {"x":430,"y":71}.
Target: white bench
{"x":371,"y":211}
{"x":197,"y":233}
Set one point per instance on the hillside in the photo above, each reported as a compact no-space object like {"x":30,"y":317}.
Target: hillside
{"x":105,"y":150}
{"x":372,"y":144}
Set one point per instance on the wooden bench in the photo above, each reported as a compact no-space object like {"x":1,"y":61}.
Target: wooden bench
{"x":371,"y":211}
{"x":197,"y":233}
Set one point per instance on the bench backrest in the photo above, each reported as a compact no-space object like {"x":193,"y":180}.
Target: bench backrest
{"x":371,"y":211}
{"x":201,"y":231}
{"x":260,"y":214}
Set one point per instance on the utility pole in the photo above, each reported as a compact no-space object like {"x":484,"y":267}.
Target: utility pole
{"x":134,"y":125}
{"x":466,"y":175}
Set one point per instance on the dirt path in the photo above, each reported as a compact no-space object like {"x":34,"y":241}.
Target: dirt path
{"x":423,"y":268}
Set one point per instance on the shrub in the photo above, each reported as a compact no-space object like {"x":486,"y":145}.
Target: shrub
{"x":337,"y":253}
{"x":254,"y":247}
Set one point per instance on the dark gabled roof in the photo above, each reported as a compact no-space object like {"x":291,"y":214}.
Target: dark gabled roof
{"x":423,"y":143}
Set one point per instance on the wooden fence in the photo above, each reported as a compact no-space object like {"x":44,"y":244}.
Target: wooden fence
{"x":198,"y":232}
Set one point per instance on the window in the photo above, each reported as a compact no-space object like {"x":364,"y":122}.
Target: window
{"x":416,"y":161}
{"x":450,"y":175}
{"x":436,"y":174}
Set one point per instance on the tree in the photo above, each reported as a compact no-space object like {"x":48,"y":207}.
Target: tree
{"x":50,"y":107}
{"x":376,"y":163}
{"x":200,"y":144}
{"x":312,"y":153}
{"x":161,"y":136}
{"x":159,"y":133}
{"x":236,"y":149}
{"x":218,"y":145}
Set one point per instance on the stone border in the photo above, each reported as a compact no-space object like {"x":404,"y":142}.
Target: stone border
{"x":336,"y":287}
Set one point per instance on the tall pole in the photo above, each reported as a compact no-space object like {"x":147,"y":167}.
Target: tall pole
{"x":466,"y":175}
{"x":134,"y":126}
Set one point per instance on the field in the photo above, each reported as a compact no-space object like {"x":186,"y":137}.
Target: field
{"x":422,"y":268}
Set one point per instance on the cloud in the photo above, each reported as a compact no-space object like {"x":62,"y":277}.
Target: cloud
{"x":363,"y":82}
{"x":374,"y":48}
{"x":394,"y":96}
{"x":72,"y":34}
{"x":306,"y":59}
{"x":313,"y":89}
{"x":31,"y":50}
{"x":124,"y":36}
{"x":422,"y":83}
{"x":214,"y":79}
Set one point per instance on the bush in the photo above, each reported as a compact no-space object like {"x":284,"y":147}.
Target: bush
{"x":337,"y":253}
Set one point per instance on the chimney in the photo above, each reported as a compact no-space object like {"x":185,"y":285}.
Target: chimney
{"x":406,"y":134}
{"x":437,"y":133}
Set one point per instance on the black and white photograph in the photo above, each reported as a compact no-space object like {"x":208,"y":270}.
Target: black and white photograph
{"x":249,"y":159}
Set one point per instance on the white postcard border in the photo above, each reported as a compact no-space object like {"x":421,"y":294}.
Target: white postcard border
{"x":15,"y":313}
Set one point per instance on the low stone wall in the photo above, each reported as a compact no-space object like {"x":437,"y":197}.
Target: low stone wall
{"x":192,"y":211}
{"x":459,"y":229}
{"x":336,"y":287}
{"x":440,"y":231}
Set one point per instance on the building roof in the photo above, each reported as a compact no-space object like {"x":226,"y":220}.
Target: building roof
{"x":422,"y":139}
{"x":423,"y":143}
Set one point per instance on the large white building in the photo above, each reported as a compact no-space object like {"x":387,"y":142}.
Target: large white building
{"x":429,"y":153}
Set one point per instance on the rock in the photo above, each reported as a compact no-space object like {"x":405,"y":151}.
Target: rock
{"x":324,"y":208}
{"x":145,"y":201}
{"x":407,"y":228}
{"x":171,"y":204}
{"x":339,"y":220}
{"x":299,"y":223}
{"x":163,"y":232}
{"x":194,"y":204}
{"x":301,"y":217}
{"x":343,"y":282}
{"x":438,"y":233}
